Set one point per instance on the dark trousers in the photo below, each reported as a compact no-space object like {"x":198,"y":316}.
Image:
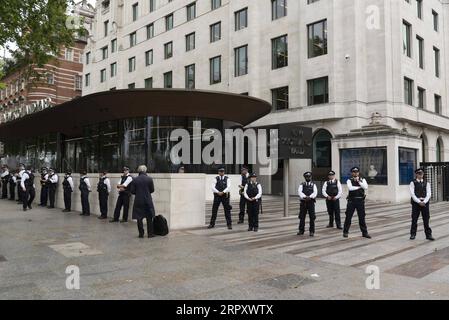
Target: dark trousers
{"x":359,"y":205}
{"x":19,"y":193}
{"x":242,"y":205}
{"x":12,"y":191}
{"x":44,"y":196}
{"x":4,"y":190}
{"x":253,"y":214}
{"x":425,"y":212}
{"x":150,"y":228}
{"x":52,"y":195}
{"x":304,"y":208}
{"x":103,"y":199}
{"x":28,"y":197}
{"x":333,"y":210}
{"x":85,"y":202}
{"x":67,"y":199}
{"x":227,"y":209}
{"x":122,"y":201}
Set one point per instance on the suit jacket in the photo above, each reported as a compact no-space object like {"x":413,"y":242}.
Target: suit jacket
{"x":142,"y":187}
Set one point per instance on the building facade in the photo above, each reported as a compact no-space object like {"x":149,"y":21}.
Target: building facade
{"x":369,"y":77}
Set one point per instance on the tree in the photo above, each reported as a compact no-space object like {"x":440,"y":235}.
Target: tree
{"x":38,"y":28}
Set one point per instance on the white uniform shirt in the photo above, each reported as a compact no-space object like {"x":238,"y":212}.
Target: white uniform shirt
{"x":25,"y":177}
{"x":241,"y":179}
{"x":415,"y":198}
{"x":54,"y":178}
{"x":302,"y":196}
{"x":107,"y":182}
{"x":21,"y":172}
{"x":70,"y":181}
{"x":128,"y":180}
{"x":340,"y":189}
{"x":362,"y":182}
{"x":87,"y":181}
{"x":228,"y":187}
{"x":5,"y":173}
{"x":259,"y":194}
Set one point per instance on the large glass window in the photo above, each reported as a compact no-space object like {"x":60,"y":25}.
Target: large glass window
{"x":190,"y":76}
{"x":407,"y":165}
{"x":318,"y":91}
{"x":371,"y":161}
{"x":317,"y":38}
{"x":215,"y":70}
{"x":280,"y":98}
{"x":322,"y":149}
{"x":278,"y":9}
{"x":241,"y":61}
{"x":279,"y":52}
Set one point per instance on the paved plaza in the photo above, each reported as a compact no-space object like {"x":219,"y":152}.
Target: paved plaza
{"x":37,"y":246}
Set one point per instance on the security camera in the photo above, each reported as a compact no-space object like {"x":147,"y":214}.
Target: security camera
{"x":347,"y":57}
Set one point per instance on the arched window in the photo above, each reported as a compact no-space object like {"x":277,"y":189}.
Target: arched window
{"x":439,"y":150}
{"x":424,"y":148}
{"x":322,"y":149}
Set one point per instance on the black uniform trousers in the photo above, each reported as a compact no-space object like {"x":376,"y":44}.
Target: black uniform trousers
{"x":85,"y":202}
{"x":227,"y":209}
{"x":12,"y":191}
{"x":253,"y":214}
{"x":28,"y":196}
{"x":243,"y":204}
{"x":425,"y":212}
{"x":304,"y":208}
{"x":122,"y":201}
{"x":52,"y":194}
{"x":4,"y":189}
{"x":68,"y":199}
{"x":333,"y":210}
{"x":359,"y":205}
{"x":150,"y":228}
{"x":19,"y":192}
{"x":103,"y":200}
{"x":44,"y":196}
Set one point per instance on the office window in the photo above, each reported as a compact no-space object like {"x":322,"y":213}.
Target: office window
{"x":278,"y":9}
{"x":152,"y":5}
{"x":113,"y":69}
{"x":132,"y":64}
{"x":135,"y":10}
{"x":407,"y":39}
{"x":133,"y":39}
{"x":169,"y":22}
{"x":419,"y":9}
{"x":407,"y":165}
{"x":280,"y":98}
{"x":191,"y":11}
{"x":190,"y":76}
{"x":408,"y":91}
{"x":241,"y":61}
{"x":168,"y":80}
{"x":149,"y":57}
{"x":437,"y":104}
{"x":78,"y":82}
{"x":104,"y":52}
{"x":436,"y":21}
{"x":150,"y":31}
{"x":148,"y":83}
{"x":168,"y":50}
{"x":318,"y":91}
{"x":436,"y":53}
{"x":317,"y":33}
{"x":102,"y":75}
{"x":241,"y":19}
{"x":87,"y":80}
{"x":420,"y":51}
{"x":69,"y":54}
{"x":87,"y":57}
{"x":215,"y":32}
{"x":132,"y":86}
{"x":113,"y":45}
{"x":215,"y":4}
{"x":190,"y":41}
{"x":421,"y":98}
{"x":215,"y":70}
{"x":105,"y":28}
{"x":279,"y":51}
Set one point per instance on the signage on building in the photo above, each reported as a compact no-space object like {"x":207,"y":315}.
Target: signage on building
{"x":23,"y":111}
{"x":295,"y":142}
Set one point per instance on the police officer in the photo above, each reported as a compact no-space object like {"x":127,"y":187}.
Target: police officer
{"x":52,"y":183}
{"x":124,"y":195}
{"x":307,"y":192}
{"x":12,"y":185}
{"x":28,"y":188}
{"x":68,"y":187}
{"x":103,"y":188}
{"x":421,"y":193}
{"x":253,"y":194}
{"x":357,"y":187}
{"x":332,"y":191}
{"x":5,"y":176}
{"x":21,"y":171}
{"x":44,"y":187}
{"x":244,"y":177}
{"x":85,"y":189}
{"x":221,"y":188}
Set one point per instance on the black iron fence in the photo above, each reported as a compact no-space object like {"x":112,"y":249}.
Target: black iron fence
{"x":437,"y":173}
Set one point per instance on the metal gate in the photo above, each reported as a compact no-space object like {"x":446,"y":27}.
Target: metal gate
{"x":437,"y":173}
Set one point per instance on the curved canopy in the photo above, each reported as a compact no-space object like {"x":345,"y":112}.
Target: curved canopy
{"x":69,"y":118}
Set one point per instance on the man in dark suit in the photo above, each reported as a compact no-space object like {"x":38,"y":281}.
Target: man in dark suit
{"x":142,"y":187}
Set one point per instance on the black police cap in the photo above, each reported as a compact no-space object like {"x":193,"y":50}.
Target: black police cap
{"x":355,"y":169}
{"x":307,"y":174}
{"x":331,"y":173}
{"x":419,"y":170}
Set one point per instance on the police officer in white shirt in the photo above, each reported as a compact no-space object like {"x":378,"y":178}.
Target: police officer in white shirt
{"x":68,"y":188}
{"x":85,"y":189}
{"x":253,"y":194}
{"x":332,"y":191}
{"x":52,"y":183}
{"x":103,"y":188}
{"x":307,"y":192}
{"x":221,"y":189}
{"x":28,"y":188}
{"x":421,"y":193}
{"x":5,"y":176}
{"x":124,"y":196}
{"x":18,"y":180}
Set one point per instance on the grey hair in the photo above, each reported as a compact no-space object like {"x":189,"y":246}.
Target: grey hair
{"x":142,"y":169}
